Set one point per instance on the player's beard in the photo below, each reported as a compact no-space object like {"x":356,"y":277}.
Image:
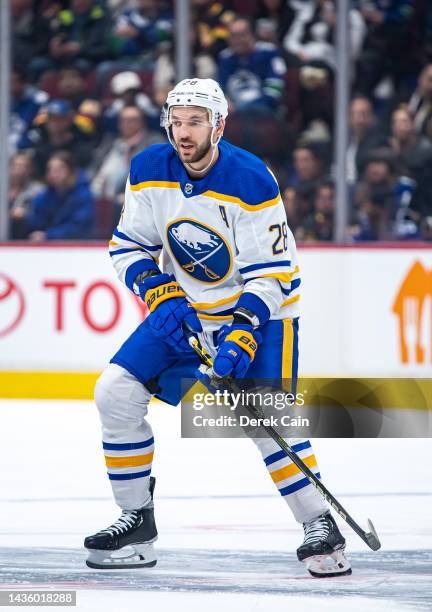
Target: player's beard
{"x":200,"y":153}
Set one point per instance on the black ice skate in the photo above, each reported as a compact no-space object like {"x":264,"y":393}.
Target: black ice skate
{"x":128,"y":542}
{"x":322,"y":549}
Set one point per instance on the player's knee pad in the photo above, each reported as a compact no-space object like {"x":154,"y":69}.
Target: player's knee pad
{"x":120,"y":397}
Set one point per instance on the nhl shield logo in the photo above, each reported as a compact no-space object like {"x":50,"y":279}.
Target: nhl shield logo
{"x":199,"y":250}
{"x":188,"y":188}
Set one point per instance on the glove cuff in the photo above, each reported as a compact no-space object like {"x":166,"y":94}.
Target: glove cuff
{"x":245,"y":340}
{"x":252,"y":307}
{"x":243,"y":316}
{"x":161,"y":293}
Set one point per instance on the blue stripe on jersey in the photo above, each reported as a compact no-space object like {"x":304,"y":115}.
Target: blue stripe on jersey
{"x":281,"y":454}
{"x":123,"y":236}
{"x":127,"y":446}
{"x":296,"y":486}
{"x":270,"y":264}
{"x":121,"y":251}
{"x":129,"y":476}
{"x":294,"y":285}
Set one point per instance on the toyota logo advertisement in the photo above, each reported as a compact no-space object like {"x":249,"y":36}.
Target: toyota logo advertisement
{"x":62,"y":308}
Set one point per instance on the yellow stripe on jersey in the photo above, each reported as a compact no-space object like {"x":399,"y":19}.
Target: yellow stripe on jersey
{"x":214,"y":317}
{"x":296,"y":269}
{"x":292,"y":469}
{"x":205,"y":305}
{"x":244,"y":205}
{"x":285,"y":277}
{"x":282,"y":276}
{"x":112,"y":243}
{"x":135,"y":461}
{"x":147,"y":184}
{"x":287,"y":348}
{"x":209,"y":194}
{"x":290,"y":301}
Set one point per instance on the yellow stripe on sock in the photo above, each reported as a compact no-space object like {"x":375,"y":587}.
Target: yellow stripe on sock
{"x":292,"y":469}
{"x":135,"y":461}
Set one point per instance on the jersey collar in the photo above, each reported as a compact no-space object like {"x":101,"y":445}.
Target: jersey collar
{"x":193,"y":187}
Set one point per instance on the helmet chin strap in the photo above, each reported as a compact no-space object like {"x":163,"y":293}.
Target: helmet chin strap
{"x":214,"y":147}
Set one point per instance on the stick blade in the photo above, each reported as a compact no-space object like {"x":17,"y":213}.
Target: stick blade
{"x":371,"y":537}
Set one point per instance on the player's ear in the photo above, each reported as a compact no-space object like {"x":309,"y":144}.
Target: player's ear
{"x":221,"y":127}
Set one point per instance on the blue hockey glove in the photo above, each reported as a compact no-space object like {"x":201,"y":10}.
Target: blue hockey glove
{"x":238,"y":344}
{"x":168,"y":309}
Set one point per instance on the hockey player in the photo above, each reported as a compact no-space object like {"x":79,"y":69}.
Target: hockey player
{"x":231,"y":274}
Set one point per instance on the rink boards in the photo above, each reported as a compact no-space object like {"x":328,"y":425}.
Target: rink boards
{"x":366,"y":312}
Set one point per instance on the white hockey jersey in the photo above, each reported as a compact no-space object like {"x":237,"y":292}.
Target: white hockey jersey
{"x":222,"y":235}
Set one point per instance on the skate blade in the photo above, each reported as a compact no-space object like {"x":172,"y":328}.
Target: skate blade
{"x":328,"y":566}
{"x":140,"y":555}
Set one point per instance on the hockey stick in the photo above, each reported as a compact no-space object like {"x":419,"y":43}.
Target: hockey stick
{"x":370,"y":537}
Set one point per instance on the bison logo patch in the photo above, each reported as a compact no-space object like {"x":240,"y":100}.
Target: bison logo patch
{"x":199,"y":250}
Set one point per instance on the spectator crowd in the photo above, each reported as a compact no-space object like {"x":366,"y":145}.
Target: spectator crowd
{"x":89,"y":78}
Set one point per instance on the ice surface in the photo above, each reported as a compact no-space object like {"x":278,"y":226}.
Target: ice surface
{"x":227,"y":540}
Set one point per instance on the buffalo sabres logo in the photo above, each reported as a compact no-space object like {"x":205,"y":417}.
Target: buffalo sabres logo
{"x":199,"y":250}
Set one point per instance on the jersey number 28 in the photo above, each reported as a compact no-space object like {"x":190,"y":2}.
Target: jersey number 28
{"x":280,"y":245}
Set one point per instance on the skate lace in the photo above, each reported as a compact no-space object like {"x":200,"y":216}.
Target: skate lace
{"x":126,"y":520}
{"x":316,"y":530}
